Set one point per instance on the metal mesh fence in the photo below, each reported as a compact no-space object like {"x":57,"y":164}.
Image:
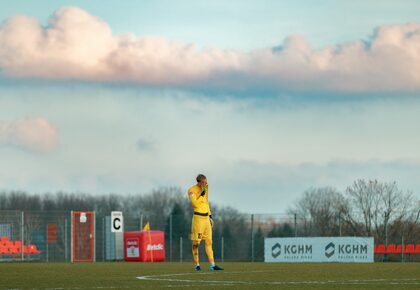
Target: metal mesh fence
{"x":46,"y":236}
{"x":35,"y":235}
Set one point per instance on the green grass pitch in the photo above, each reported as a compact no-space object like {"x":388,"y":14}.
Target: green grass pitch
{"x":237,"y":275}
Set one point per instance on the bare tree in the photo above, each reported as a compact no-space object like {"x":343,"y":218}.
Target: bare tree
{"x":364,"y":199}
{"x":320,"y":209}
{"x":376,"y":205}
{"x":410,"y":224}
{"x":154,"y":207}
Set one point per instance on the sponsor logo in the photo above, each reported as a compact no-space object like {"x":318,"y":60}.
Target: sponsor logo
{"x":288,"y":250}
{"x":298,"y":249}
{"x":330,"y":250}
{"x":132,"y":243}
{"x":276,"y":250}
{"x":156,"y":247}
{"x":352,"y":249}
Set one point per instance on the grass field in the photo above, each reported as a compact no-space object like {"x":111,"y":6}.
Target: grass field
{"x":237,"y":275}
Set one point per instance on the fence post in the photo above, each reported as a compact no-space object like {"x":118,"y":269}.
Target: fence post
{"x":180,"y":249}
{"x":252,"y":237}
{"x":46,"y":241}
{"x":402,"y":248}
{"x":386,"y":236}
{"x":170,"y":238}
{"x":386,"y":229}
{"x":339,"y":223}
{"x":104,"y":240}
{"x":71,"y":236}
{"x":223,"y":245}
{"x":94,"y":236}
{"x":65,"y":241}
{"x":22,"y":232}
{"x":141,"y":222}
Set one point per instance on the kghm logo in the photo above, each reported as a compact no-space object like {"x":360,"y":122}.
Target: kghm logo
{"x":352,"y":249}
{"x":276,"y":250}
{"x":329,"y":250}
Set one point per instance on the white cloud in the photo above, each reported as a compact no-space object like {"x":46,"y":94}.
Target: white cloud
{"x":32,"y":134}
{"x":77,"y":45}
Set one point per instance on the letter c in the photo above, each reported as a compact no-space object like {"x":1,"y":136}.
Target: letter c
{"x":117,"y":227}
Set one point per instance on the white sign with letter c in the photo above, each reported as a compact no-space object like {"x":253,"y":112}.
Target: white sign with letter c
{"x":117,"y":222}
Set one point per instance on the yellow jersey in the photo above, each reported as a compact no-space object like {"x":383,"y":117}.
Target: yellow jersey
{"x":200,"y":203}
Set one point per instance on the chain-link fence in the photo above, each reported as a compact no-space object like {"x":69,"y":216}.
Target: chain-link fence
{"x":47,"y":236}
{"x":35,"y":236}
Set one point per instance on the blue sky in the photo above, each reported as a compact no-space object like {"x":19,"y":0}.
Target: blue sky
{"x":267,"y":98}
{"x":236,"y":24}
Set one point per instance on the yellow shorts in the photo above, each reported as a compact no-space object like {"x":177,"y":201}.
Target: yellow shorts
{"x":201,"y":228}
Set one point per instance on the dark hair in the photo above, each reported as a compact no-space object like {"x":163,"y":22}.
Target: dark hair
{"x":200,"y":177}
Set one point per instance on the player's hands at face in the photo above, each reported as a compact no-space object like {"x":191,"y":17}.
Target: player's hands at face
{"x":204,"y":187}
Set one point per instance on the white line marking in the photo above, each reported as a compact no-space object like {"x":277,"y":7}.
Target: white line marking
{"x":71,"y":288}
{"x":166,"y":277}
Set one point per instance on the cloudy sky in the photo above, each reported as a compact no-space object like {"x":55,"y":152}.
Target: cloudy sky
{"x":267,"y":98}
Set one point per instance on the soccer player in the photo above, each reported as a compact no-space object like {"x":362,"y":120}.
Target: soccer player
{"x":202,"y":222}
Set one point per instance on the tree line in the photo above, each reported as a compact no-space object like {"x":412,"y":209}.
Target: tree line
{"x":365,"y":208}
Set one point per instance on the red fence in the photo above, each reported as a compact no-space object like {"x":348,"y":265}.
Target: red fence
{"x":397,"y":249}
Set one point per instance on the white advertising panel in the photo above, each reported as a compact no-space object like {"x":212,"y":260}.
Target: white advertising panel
{"x":117,"y":222}
{"x":322,"y":249}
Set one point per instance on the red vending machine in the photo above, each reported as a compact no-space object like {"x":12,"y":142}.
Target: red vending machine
{"x":144,"y":246}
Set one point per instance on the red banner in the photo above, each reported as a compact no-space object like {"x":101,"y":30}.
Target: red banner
{"x":52,"y":233}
